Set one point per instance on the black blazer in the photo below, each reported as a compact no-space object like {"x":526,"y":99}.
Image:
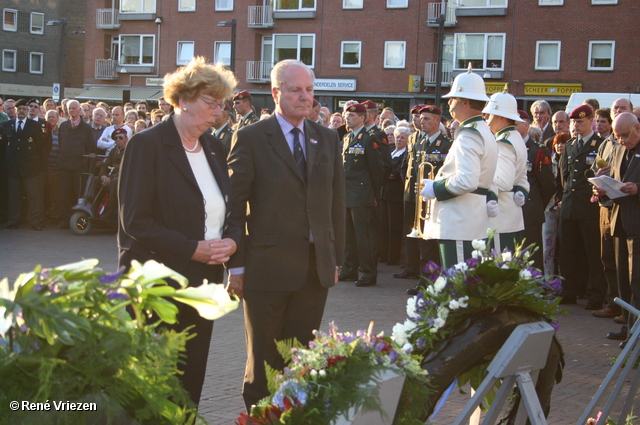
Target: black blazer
{"x":162,"y":213}
{"x":541,"y":182}
{"x":25,"y":155}
{"x":625,"y":217}
{"x":393,"y":186}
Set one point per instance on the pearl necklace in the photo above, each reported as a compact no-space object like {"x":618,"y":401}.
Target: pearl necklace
{"x":192,"y":149}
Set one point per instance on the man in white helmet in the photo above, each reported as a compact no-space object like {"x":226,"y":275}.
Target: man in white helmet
{"x":461,"y":207}
{"x":511,"y":173}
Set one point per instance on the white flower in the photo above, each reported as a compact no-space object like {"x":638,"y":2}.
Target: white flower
{"x":506,"y":256}
{"x":313,"y":373}
{"x":461,"y":267}
{"x":398,"y":334}
{"x":525,"y":274}
{"x":407,"y":348}
{"x":5,"y":293}
{"x":152,"y":271}
{"x":322,"y":373}
{"x":411,"y":307}
{"x":463,"y":301}
{"x":211,"y":300}
{"x":439,"y":285}
{"x":409,"y":326}
{"x":443,"y":312}
{"x":476,"y":254}
{"x":479,"y":244}
{"x":438,"y":323}
{"x":454,"y":305}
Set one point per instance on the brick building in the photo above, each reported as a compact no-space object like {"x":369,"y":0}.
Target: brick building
{"x":384,"y":50}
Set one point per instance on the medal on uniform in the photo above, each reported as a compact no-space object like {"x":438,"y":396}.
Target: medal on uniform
{"x":438,"y":143}
{"x":359,"y":136}
{"x":222,"y":135}
{"x":593,"y":143}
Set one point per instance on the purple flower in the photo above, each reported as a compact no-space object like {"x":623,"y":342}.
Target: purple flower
{"x":393,"y":356}
{"x":431,"y":268}
{"x":113,"y":295}
{"x":556,"y":284}
{"x":420,"y":342}
{"x":473,"y":280}
{"x":106,"y":279}
{"x":555,"y":326}
{"x":472,"y":263}
{"x":37,"y":287}
{"x":379,"y":346}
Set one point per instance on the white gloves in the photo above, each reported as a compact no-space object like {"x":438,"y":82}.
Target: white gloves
{"x":427,"y":191}
{"x":519,"y":198}
{"x":492,"y":208}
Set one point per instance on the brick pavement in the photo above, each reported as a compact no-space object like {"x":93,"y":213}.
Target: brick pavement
{"x":587,"y":353}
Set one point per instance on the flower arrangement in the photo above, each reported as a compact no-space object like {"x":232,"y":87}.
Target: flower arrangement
{"x":337,"y":372}
{"x":66,"y":335}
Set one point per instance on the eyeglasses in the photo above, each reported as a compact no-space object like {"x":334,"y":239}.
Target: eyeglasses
{"x":120,"y":138}
{"x":212,"y":104}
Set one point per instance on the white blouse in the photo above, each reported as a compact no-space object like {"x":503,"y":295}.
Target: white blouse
{"x":214,"y":206}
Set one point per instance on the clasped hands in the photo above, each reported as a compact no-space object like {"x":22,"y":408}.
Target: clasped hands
{"x":215,"y":251}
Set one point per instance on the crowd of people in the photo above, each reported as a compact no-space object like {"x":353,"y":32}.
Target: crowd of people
{"x":295,"y":199}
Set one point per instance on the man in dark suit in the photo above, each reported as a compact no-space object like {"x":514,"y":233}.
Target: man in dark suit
{"x":625,"y":216}
{"x":541,"y":111}
{"x":34,"y":114}
{"x":221,"y":128}
{"x":580,"y":256}
{"x":289,"y":171}
{"x":26,"y":160}
{"x":244,"y":109}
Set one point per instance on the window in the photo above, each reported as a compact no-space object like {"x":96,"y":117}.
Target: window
{"x":294,"y":46}
{"x":548,"y":55}
{"x":550,"y":2}
{"x":350,"y":54}
{"x":138,"y":6}
{"x":397,"y":3}
{"x":483,"y":3}
{"x":187,"y":5}
{"x":9,"y":60}
{"x":224,"y":4}
{"x":604,"y":1}
{"x":352,"y":4}
{"x":601,"y":54}
{"x":394,"y":53}
{"x":285,"y":5}
{"x":35,"y":63}
{"x":484,"y":51}
{"x":10,"y":20}
{"x":137,"y":49}
{"x":37,"y":23}
{"x":185,"y":52}
{"x":222,"y":52}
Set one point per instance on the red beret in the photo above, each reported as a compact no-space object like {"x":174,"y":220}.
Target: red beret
{"x":241,"y":95}
{"x":315,"y":102}
{"x":582,"y":111}
{"x":357,"y":107}
{"x":431,"y":109}
{"x":416,"y":109}
{"x":523,"y":115}
{"x":226,"y":106}
{"x":370,"y":104}
{"x":118,"y":132}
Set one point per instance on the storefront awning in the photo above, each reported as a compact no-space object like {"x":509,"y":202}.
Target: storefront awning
{"x":115,"y":93}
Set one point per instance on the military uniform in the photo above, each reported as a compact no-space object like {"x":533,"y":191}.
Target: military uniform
{"x":364,"y":171}
{"x":224,"y":134}
{"x":248,"y":120}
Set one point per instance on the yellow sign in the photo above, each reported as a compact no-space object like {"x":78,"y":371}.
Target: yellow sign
{"x":494,"y":87}
{"x":414,"y":83}
{"x":550,"y":89}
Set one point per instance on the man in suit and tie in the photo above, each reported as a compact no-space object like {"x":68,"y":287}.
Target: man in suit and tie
{"x":625,"y":217}
{"x":541,"y":111}
{"x":26,"y":160}
{"x":579,"y":217}
{"x":244,"y":109}
{"x":289,"y":171}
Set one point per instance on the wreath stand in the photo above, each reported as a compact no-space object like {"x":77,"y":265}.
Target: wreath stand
{"x":519,"y":360}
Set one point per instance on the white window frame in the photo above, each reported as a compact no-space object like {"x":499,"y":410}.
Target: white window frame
{"x":346,"y":6}
{"x":142,"y":2}
{"x":404,"y":5}
{"x":404,"y":57}
{"x":32,"y":56}
{"x":486,"y":44}
{"x":300,"y":8}
{"x":613,"y":55}
{"x":347,"y":65}
{"x":31,"y":27}
{"x":121,"y":53}
{"x":182,"y":8}
{"x":216,"y":56}
{"x":275,"y":45}
{"x":15,"y":19}
{"x":221,"y":9}
{"x":486,"y":5}
{"x":599,"y":2}
{"x":181,"y":43}
{"x":550,"y":2}
{"x":15,"y":60}
{"x":548,"y":68}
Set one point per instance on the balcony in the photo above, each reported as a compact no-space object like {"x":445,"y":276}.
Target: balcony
{"x":260,"y":17}
{"x":106,"y":69}
{"x":435,"y":10}
{"x":107,"y":19}
{"x":259,"y":71}
{"x":430,"y":73}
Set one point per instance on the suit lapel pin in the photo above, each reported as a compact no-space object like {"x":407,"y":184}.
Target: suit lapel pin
{"x":313,"y":141}
{"x":638,"y":155}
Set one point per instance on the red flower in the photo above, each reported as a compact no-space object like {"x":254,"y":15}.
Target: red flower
{"x":333,"y":360}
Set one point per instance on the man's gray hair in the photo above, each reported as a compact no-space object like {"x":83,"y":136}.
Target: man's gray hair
{"x":98,"y":110}
{"x":543,"y":104}
{"x":277,"y":72}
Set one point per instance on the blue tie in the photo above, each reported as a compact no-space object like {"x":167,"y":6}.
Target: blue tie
{"x":298,"y":154}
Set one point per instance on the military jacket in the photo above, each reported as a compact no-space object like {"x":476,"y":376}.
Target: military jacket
{"x":363,"y":169}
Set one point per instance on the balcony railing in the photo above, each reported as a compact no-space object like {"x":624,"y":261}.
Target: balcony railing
{"x":260,"y":17}
{"x":107,"y":19}
{"x":430,"y":73}
{"x":106,"y":69}
{"x":435,"y":10}
{"x":259,"y":71}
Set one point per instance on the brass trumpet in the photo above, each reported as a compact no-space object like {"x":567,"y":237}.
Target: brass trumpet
{"x":416,"y":231}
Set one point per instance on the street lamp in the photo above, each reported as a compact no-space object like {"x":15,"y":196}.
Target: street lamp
{"x":232,"y":24}
{"x":63,"y":24}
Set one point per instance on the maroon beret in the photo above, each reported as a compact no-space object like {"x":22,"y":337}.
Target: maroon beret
{"x":241,"y":95}
{"x":357,"y":107}
{"x":226,"y":106}
{"x":315,"y":102}
{"x":416,"y":109}
{"x":523,"y":115}
{"x":370,"y":104}
{"x":431,"y":109}
{"x":582,"y":111}
{"x":118,"y":132}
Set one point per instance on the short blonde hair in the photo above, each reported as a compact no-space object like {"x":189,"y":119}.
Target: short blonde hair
{"x":198,"y":77}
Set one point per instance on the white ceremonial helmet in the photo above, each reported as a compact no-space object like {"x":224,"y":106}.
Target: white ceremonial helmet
{"x":503,"y":105}
{"x":468,"y":86}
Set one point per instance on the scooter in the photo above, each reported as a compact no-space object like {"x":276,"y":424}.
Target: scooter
{"x":91,"y":206}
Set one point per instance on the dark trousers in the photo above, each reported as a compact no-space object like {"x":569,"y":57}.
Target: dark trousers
{"x":70,"y":184}
{"x":31,"y":188}
{"x":580,"y":260}
{"x":392,"y":221}
{"x":454,"y":252}
{"x":4,"y":196}
{"x":532,"y":234}
{"x":628,"y":269}
{"x":360,"y":254}
{"x":52,"y":196}
{"x":275,"y":316}
{"x":608,"y":256}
